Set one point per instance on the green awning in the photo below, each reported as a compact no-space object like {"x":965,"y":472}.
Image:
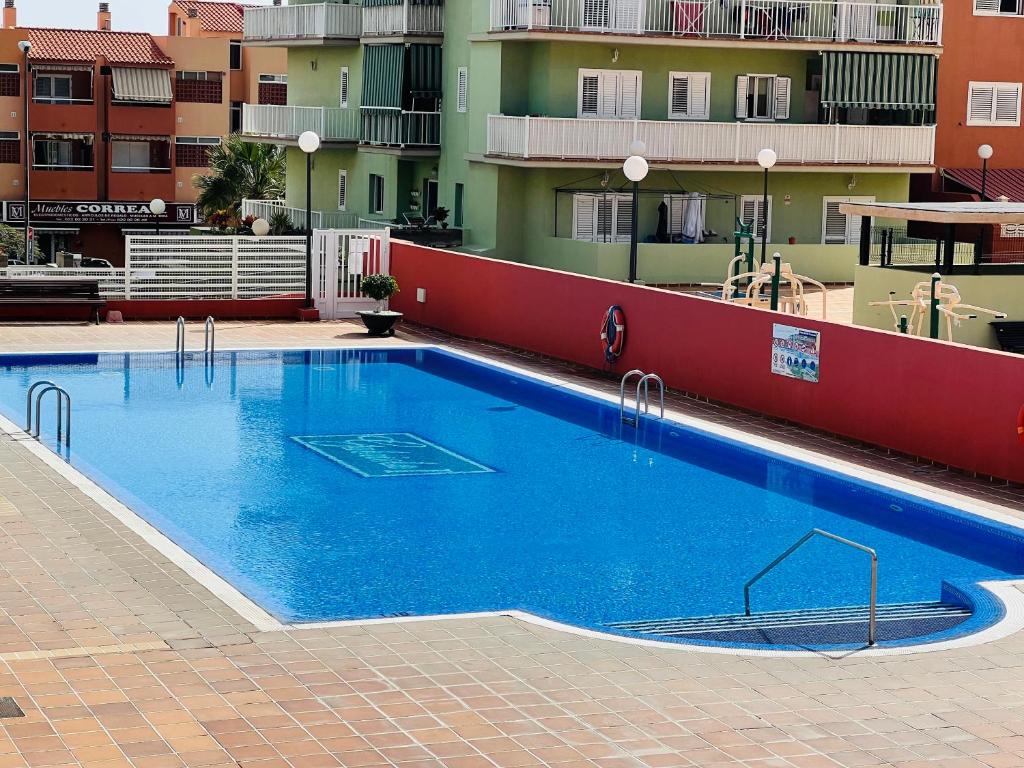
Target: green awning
{"x":383,"y":68}
{"x":425,"y":70}
{"x":878,"y":80}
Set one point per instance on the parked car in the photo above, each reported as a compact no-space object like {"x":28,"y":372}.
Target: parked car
{"x":89,"y":263}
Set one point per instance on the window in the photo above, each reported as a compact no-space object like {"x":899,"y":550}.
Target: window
{"x":606,"y":218}
{"x":998,"y":7}
{"x":53,"y":89}
{"x":273,"y":78}
{"x":10,"y":147}
{"x":836,"y":227}
{"x":61,"y":154}
{"x":188,"y":74}
{"x":235,"y":55}
{"x":194,"y":151}
{"x":458,"y":215}
{"x":689,"y":95}
{"x":10,"y":80}
{"x":130,"y":156}
{"x":343,"y":89}
{"x":463,"y":90}
{"x":751,"y":211}
{"x":609,"y":93}
{"x":236,"y":117}
{"x":376,"y":193}
{"x":179,"y":26}
{"x":199,"y":87}
{"x":762,"y":97}
{"x":993,"y":104}
{"x":342,"y":190}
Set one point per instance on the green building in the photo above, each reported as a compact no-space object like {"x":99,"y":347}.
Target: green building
{"x":516,"y":116}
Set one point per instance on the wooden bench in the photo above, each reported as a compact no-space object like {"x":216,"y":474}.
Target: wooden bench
{"x":1010,"y":335}
{"x":49,"y":291}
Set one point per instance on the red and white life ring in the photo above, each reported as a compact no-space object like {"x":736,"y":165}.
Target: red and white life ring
{"x":613,"y":333}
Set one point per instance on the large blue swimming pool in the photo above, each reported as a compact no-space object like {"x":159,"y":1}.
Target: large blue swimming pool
{"x":352,"y":484}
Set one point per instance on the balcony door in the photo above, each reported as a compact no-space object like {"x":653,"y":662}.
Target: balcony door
{"x":610,"y":94}
{"x":612,"y":15}
{"x":53,"y":89}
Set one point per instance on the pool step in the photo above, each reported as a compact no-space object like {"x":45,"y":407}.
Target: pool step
{"x":814,"y":626}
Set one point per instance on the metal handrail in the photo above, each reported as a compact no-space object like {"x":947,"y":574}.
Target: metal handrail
{"x":179,"y":339}
{"x":211,"y":333}
{"x":661,"y":389}
{"x":622,"y":391}
{"x":62,"y":395}
{"x":804,"y":539}
{"x":28,"y":402}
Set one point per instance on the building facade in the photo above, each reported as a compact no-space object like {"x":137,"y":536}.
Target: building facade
{"x":539,"y":101}
{"x":116,"y":120}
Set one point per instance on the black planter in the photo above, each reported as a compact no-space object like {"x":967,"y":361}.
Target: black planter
{"x":380,"y":323}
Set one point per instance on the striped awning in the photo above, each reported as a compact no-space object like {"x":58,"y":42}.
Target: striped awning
{"x":383,"y":68}
{"x":138,"y":84}
{"x":878,"y":80}
{"x":425,"y":70}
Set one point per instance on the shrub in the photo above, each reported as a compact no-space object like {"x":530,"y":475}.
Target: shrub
{"x":379,"y":287}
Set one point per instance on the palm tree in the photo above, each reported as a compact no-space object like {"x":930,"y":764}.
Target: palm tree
{"x":241,"y":170}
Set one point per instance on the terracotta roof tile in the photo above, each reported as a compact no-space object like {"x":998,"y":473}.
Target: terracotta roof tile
{"x":216,"y":17}
{"x":84,"y":45}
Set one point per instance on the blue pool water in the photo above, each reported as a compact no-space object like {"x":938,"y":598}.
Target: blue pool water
{"x":352,"y":484}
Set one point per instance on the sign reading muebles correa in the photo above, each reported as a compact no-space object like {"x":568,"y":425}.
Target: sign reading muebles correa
{"x":93,"y":212}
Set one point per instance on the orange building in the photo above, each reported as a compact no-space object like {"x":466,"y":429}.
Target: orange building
{"x":116,"y":120}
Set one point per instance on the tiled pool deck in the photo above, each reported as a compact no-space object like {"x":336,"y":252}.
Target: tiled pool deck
{"x":118,"y":657}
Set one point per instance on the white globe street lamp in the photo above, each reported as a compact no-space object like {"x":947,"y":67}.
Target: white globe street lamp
{"x":261,"y":227}
{"x":157,"y":207}
{"x":635,"y":168}
{"x":309,"y":142}
{"x":766,"y":158}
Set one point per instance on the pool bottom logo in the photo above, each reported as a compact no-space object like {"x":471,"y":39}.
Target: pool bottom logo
{"x":390,"y":454}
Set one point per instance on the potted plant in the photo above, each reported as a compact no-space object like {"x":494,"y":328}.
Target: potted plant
{"x":441,"y":216}
{"x":380,"y":321}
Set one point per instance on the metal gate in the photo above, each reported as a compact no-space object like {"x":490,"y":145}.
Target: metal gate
{"x":341,"y":258}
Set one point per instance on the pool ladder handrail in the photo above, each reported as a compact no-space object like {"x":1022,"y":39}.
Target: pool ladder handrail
{"x":641,"y":382}
{"x":872,"y":606}
{"x":179,"y":340}
{"x":210,"y":336}
{"x":63,"y":420}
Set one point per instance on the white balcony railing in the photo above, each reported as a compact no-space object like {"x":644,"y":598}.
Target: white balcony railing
{"x":846,"y":21}
{"x":280,"y":122}
{"x":397,"y":128}
{"x":404,"y":19}
{"x":322,"y":21}
{"x":553,"y":138}
{"x":267,"y":209}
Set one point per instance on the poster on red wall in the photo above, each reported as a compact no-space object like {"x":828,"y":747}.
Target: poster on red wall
{"x":796,"y":353}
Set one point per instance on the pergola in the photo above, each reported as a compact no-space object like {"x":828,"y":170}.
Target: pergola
{"x":947,"y":216}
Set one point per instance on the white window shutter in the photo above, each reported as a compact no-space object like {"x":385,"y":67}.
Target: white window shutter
{"x":629,"y":95}
{"x":342,"y":190}
{"x":584,"y":212}
{"x":1007,"y":106}
{"x":623,"y":218}
{"x":980,"y":103}
{"x":609,"y":95}
{"x":700,"y":95}
{"x":679,"y":96}
{"x":343,"y":88}
{"x":741,"y":97}
{"x":782,"y":89}
{"x":835,"y":228}
{"x":589,"y":88}
{"x":986,"y":6}
{"x":676,"y":212}
{"x":463,"y":90}
{"x":751,"y":212}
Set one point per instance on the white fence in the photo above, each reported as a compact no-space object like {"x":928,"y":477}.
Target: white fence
{"x":340,"y":260}
{"x":397,"y":128}
{"x":283,"y":122}
{"x":814,"y":20}
{"x":404,"y":19}
{"x":303,"y":22}
{"x":676,"y":141}
{"x":265,"y":209}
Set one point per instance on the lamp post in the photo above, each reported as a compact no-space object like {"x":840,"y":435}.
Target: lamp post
{"x":766,"y":158}
{"x":309,"y":142}
{"x":26,"y":46}
{"x":261,"y":227}
{"x":157,"y":207}
{"x":985,"y":152}
{"x":635,"y":168}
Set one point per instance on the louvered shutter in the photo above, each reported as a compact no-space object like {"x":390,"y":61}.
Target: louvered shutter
{"x":676,"y":213}
{"x":342,"y":190}
{"x":679,"y":96}
{"x":980,"y":103}
{"x":741,"y":97}
{"x":583,"y":215}
{"x":986,"y":6}
{"x":462,"y":103}
{"x":629,"y":95}
{"x":835,"y":225}
{"x":782,"y":89}
{"x":595,"y":14}
{"x":343,"y":88}
{"x":589,"y":87}
{"x":604,"y":230}
{"x":700,"y":95}
{"x":750,"y":211}
{"x":609,"y":95}
{"x":623,"y":218}
{"x":1007,"y":106}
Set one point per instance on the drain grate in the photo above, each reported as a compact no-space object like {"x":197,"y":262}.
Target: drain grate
{"x":9,"y":708}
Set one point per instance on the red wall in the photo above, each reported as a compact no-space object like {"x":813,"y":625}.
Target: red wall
{"x":220,"y":309}
{"x":953,"y":404}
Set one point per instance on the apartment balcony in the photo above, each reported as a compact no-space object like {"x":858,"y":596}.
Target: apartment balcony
{"x":78,"y":116}
{"x":403,"y":20}
{"x":398,"y":129}
{"x":552,"y":140}
{"x":803,"y":23}
{"x":298,"y":25}
{"x":277,"y":124}
{"x":54,"y":181}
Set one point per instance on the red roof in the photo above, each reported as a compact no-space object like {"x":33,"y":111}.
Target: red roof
{"x":85,"y":45}
{"x":1008,"y":182}
{"x":216,"y":17}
